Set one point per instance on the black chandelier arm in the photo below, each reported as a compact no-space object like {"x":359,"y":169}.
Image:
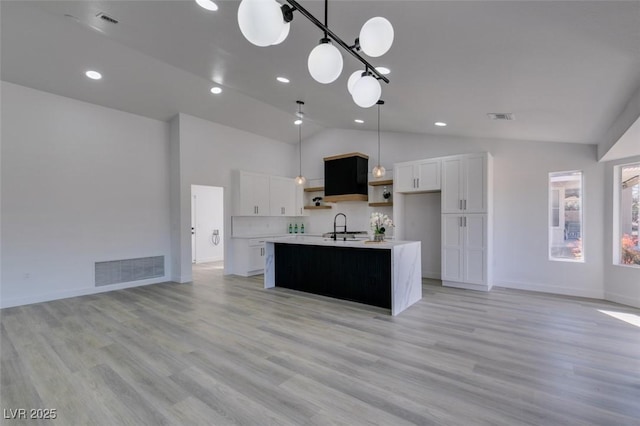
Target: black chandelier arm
{"x":345,"y":46}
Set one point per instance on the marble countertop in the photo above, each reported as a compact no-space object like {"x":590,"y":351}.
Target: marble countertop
{"x":321,"y":241}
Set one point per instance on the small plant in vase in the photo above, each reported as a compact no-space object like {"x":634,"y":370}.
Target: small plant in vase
{"x":386,"y":194}
{"x":379,"y":224}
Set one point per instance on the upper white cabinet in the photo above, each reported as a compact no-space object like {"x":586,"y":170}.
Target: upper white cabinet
{"x":282,"y":198}
{"x":464,"y":183}
{"x":253,"y":195}
{"x":264,"y":195}
{"x":417,"y":176}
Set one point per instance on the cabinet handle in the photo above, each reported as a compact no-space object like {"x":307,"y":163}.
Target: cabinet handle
{"x":459,"y":204}
{"x":418,"y":183}
{"x":465,"y":204}
{"x":465,"y":221}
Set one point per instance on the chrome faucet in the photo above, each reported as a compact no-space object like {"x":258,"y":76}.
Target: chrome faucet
{"x":335,"y":233}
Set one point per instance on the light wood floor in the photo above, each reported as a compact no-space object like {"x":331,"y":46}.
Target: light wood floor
{"x":224,"y":351}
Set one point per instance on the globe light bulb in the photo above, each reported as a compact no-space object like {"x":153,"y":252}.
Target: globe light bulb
{"x":378,"y":171}
{"x":325,"y":63}
{"x":260,"y":21}
{"x":353,"y":79}
{"x":376,"y":36}
{"x":283,"y":34}
{"x":301,"y":180}
{"x":366,"y":92}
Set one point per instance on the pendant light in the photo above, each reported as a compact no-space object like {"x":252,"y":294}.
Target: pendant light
{"x":300,"y":180}
{"x":378,"y":171}
{"x":267,"y":23}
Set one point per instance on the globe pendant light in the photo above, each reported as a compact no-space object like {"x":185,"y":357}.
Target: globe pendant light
{"x":366,"y":91}
{"x":325,"y":62}
{"x":378,"y":171}
{"x":353,"y":79}
{"x":283,"y":34}
{"x":261,"y":21}
{"x":300,"y":180}
{"x":376,"y":36}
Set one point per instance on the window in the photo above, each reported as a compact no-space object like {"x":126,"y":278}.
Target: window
{"x":565,"y":216}
{"x":628,"y":200}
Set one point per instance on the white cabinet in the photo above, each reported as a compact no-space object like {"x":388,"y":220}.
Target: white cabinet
{"x":264,"y":195}
{"x":465,"y":183}
{"x":282,"y":196}
{"x":248,"y":255}
{"x":417,"y":176}
{"x":464,"y":251}
{"x":253,"y":195}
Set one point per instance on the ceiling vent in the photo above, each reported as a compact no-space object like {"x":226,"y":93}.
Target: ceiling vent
{"x":107,"y":18}
{"x":501,"y":116}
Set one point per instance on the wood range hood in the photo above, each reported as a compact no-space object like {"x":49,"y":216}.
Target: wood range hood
{"x":345,"y":177}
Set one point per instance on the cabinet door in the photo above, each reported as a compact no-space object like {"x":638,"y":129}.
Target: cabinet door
{"x":452,"y":247}
{"x":404,"y":179}
{"x":300,"y":211}
{"x":475,"y":184}
{"x":254,"y":194}
{"x":428,"y":175}
{"x":475,"y":248}
{"x":256,"y":259}
{"x":282,"y":196}
{"x":452,"y":185}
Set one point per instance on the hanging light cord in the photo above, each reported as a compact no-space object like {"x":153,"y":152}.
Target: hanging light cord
{"x":300,"y":146}
{"x":378,"y":134}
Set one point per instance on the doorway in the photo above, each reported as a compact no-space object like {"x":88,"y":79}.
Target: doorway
{"x":207,"y":225}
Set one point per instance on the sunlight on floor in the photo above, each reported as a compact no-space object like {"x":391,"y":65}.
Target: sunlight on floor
{"x":632,"y":319}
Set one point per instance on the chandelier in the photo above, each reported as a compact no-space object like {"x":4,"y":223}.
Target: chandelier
{"x":267,"y":23}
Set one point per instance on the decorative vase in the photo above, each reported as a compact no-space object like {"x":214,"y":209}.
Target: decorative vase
{"x":378,"y":237}
{"x":386,"y":194}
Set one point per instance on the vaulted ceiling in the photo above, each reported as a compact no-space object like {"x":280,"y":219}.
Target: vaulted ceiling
{"x":566,"y":70}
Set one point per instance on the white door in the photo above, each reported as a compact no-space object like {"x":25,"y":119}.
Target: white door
{"x":452,"y":247}
{"x":475,"y":248}
{"x":451,"y":185}
{"x":282,"y":196}
{"x":404,"y":180}
{"x":428,"y":175}
{"x":207,"y":223}
{"x":475,"y":184}
{"x":254,"y":194}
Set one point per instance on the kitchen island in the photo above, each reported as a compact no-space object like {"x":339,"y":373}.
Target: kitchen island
{"x":386,"y":274}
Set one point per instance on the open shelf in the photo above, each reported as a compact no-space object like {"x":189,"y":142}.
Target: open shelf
{"x":316,"y":207}
{"x":314,"y":189}
{"x":381,"y":182}
{"x":382,"y":204}
{"x":345,"y":197}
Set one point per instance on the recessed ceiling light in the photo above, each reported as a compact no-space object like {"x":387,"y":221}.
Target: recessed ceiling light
{"x":207,"y":4}
{"x":383,"y":70}
{"x":282,"y":79}
{"x":297,"y":122}
{"x":440,"y":123}
{"x":216,"y":90}
{"x":357,"y":120}
{"x":93,"y":75}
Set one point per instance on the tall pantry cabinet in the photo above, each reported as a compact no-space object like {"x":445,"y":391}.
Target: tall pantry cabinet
{"x":466,"y":200}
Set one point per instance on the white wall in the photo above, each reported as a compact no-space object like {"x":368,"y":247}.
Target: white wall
{"x":80,"y":183}
{"x":207,"y":216}
{"x":520,"y":200}
{"x":209,"y":153}
{"x":621,"y":283}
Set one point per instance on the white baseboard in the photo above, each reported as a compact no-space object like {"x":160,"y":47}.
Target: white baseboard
{"x":29,"y":300}
{"x":431,"y":275}
{"x":466,"y":286}
{"x":208,"y":259}
{"x":622,"y":299}
{"x":545,"y":288}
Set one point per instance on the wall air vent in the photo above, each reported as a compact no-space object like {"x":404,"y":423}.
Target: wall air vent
{"x":127,"y":270}
{"x":501,"y":116}
{"x":107,"y":18}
